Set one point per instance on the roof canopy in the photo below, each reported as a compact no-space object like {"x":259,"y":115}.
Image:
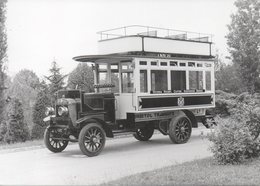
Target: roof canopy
{"x":103,"y":58}
{"x":115,"y":58}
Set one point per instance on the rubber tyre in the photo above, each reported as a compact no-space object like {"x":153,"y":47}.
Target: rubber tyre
{"x":144,"y":134}
{"x":86,"y":144}
{"x":180,"y":129}
{"x":50,"y":143}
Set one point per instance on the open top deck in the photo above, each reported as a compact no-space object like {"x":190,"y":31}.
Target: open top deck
{"x":136,"y":39}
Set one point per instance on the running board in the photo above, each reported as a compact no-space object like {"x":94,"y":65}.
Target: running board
{"x":122,"y":132}
{"x":66,"y":139}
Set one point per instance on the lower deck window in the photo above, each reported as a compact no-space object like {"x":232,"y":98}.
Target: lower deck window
{"x":127,"y":82}
{"x":208,"y":80}
{"x":103,"y":78}
{"x":178,"y":80}
{"x":196,"y":80}
{"x":143,"y":80}
{"x":159,"y":80}
{"x":115,"y":81}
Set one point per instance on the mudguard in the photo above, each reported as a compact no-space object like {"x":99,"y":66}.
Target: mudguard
{"x":97,"y":118}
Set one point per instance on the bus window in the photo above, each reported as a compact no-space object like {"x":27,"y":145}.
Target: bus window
{"x":178,"y":80}
{"x":127,"y":79}
{"x":102,"y":74}
{"x":127,"y":82}
{"x":196,"y":80}
{"x":115,"y":77}
{"x":127,"y":66}
{"x":208,"y":80}
{"x":159,"y":80}
{"x":143,"y":80}
{"x":103,"y":78}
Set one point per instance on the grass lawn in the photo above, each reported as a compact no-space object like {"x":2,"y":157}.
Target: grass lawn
{"x":198,"y":172}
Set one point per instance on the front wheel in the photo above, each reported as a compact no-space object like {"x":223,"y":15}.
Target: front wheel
{"x":52,"y":142}
{"x":180,"y":129}
{"x":92,"y":139}
{"x":144,"y":134}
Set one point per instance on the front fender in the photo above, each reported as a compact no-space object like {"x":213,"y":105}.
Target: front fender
{"x":96,"y":119}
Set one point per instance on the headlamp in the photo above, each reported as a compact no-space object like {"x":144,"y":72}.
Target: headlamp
{"x":49,"y":111}
{"x":63,"y":111}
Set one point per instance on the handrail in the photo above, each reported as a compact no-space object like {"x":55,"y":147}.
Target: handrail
{"x":146,"y":29}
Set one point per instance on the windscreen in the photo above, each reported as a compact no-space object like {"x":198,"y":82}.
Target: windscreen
{"x":68,"y":94}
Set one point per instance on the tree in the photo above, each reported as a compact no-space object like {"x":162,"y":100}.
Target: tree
{"x":16,"y":129}
{"x":228,"y":79}
{"x":81,"y":77}
{"x":3,"y":130}
{"x":56,"y":79}
{"x":243,"y":40}
{"x":25,"y":87}
{"x":42,"y":101}
{"x":3,"y":55}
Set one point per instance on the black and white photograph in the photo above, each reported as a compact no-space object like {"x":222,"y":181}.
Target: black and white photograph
{"x":130,"y":92}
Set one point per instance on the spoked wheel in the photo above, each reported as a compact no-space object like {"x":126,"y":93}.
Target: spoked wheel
{"x":52,"y":142}
{"x":144,"y":134}
{"x":180,"y":129}
{"x":92,"y":139}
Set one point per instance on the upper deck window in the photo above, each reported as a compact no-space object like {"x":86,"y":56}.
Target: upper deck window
{"x":182,"y":64}
{"x":159,"y":80}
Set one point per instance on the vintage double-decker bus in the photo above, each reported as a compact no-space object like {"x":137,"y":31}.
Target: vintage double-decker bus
{"x":149,"y":79}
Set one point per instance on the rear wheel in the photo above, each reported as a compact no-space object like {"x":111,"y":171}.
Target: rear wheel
{"x":144,"y":134}
{"x":52,"y":142}
{"x":180,"y":129}
{"x":92,"y":139}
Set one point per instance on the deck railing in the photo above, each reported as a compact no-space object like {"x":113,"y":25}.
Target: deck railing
{"x":154,"y":32}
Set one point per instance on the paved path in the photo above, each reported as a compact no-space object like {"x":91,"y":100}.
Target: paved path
{"x":120,"y":157}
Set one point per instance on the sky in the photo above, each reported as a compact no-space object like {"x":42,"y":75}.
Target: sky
{"x":40,"y":31}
